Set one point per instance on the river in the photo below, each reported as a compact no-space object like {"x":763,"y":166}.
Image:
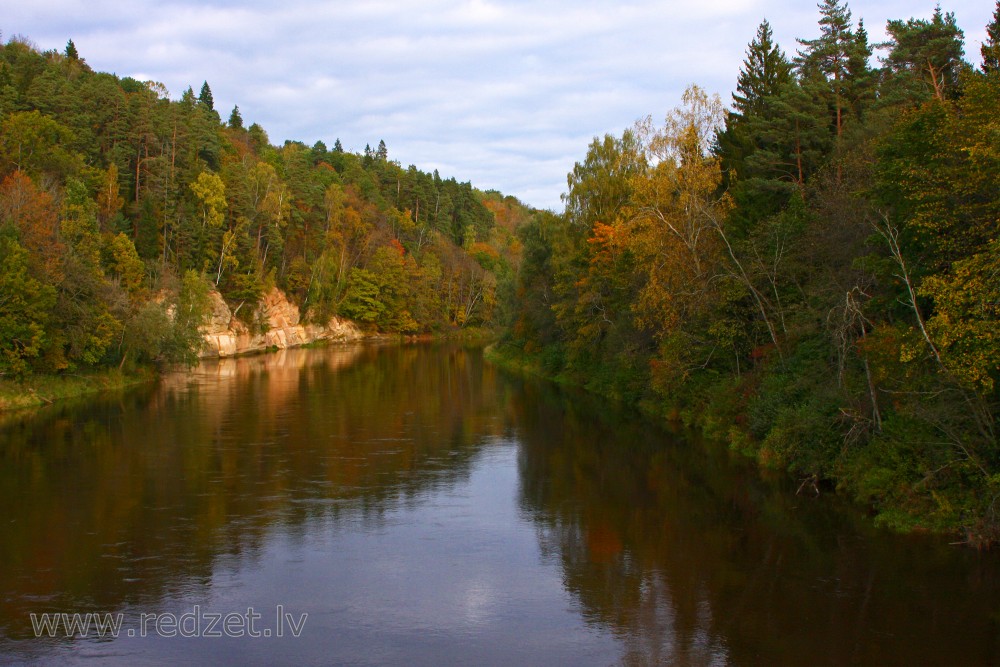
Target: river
{"x":413,"y":505}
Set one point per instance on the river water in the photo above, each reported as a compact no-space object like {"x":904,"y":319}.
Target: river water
{"x":413,"y":505}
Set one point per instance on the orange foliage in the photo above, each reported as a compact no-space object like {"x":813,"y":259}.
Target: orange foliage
{"x":484,"y":248}
{"x":398,"y":247}
{"x":35,"y":215}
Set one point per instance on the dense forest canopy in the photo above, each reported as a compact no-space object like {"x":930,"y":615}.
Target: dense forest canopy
{"x":120,"y":208}
{"x":811,"y":273}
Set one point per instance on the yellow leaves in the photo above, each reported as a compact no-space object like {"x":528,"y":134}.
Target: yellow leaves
{"x":127,"y":265}
{"x":211,"y":192}
{"x":908,"y":353}
{"x":966,"y":321}
{"x":109,"y":200}
{"x":676,"y":212}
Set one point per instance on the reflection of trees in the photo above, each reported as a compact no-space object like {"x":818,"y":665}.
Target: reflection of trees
{"x":121,"y":500}
{"x":689,"y":557}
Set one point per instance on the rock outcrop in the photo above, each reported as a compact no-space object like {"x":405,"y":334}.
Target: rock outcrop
{"x":225,"y":335}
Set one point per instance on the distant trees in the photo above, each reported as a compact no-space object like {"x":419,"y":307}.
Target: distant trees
{"x":119,"y":208}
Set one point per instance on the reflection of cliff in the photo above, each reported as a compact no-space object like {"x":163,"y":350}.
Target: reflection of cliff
{"x":225,"y":335}
{"x":690,"y":559}
{"x":119,"y":501}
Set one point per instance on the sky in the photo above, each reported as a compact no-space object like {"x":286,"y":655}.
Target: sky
{"x":506,"y":94}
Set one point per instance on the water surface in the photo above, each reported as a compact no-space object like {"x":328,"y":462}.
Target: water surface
{"x":420,"y":507}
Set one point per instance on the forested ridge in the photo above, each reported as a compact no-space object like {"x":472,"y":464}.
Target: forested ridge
{"x":812,"y":274}
{"x":120,"y":208}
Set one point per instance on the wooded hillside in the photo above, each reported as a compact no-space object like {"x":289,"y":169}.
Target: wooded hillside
{"x":811,"y":273}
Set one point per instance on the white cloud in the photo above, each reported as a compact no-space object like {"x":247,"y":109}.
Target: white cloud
{"x":505,"y":93}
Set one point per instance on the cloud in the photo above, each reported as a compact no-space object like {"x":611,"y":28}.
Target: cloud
{"x":505,"y":93}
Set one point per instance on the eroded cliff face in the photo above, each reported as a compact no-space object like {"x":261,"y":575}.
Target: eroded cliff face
{"x":225,"y":335}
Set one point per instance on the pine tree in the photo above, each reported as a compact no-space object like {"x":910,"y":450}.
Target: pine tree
{"x":991,"y":47}
{"x":830,"y":55}
{"x":205,"y":97}
{"x":71,"y":51}
{"x":337,"y":146}
{"x":235,"y":119}
{"x":925,"y":57}
{"x":382,"y":153}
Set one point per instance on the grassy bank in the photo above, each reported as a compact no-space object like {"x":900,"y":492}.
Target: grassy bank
{"x":38,"y":390}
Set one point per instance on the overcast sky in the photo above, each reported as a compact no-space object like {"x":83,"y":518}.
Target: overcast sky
{"x":504,"y":93}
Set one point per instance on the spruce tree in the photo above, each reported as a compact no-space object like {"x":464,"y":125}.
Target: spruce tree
{"x":991,"y":47}
{"x":236,"y":119}
{"x":764,"y":71}
{"x":71,"y":51}
{"x":861,"y":80}
{"x":205,"y":97}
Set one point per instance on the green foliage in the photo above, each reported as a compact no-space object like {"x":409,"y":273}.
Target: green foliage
{"x":821,"y":291}
{"x":925,"y":58}
{"x":24,"y":310}
{"x":236,"y":119}
{"x":362,"y":303}
{"x":990,"y":49}
{"x":109,"y":190}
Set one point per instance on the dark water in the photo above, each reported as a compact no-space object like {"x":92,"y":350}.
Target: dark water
{"x":420,"y":507}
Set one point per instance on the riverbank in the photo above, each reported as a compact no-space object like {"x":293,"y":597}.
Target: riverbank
{"x":719,"y":413}
{"x":39,"y":390}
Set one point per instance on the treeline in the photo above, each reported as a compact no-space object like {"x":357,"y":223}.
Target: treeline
{"x":813,"y":274}
{"x":120,"y":208}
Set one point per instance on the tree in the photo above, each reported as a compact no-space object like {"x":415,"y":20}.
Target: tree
{"x":678,"y":209}
{"x":71,"y":51}
{"x":205,"y":97}
{"x":211,"y":192}
{"x":235,"y":119}
{"x":109,"y":199}
{"x":34,"y":215}
{"x":765,"y":70}
{"x":35,"y":143}
{"x":830,"y":54}
{"x":990,"y":49}
{"x":24,"y":309}
{"x":600,"y":186}
{"x":765,"y":74}
{"x":925,"y":57}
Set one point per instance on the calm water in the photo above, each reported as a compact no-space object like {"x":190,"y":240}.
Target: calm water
{"x":420,"y":507}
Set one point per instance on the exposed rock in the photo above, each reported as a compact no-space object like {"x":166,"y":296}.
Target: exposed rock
{"x":225,"y":335}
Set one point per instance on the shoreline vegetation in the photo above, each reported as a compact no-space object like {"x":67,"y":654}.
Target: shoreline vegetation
{"x":35,"y":391}
{"x":808,"y":275}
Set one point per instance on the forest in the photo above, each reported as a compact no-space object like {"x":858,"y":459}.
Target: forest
{"x":811,"y":274}
{"x":121,"y":208}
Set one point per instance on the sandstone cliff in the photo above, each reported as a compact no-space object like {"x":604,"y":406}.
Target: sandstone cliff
{"x":225,"y":335}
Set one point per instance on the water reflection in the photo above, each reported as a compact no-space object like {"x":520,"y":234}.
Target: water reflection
{"x":128,"y":499}
{"x":426,"y":509}
{"x":691,"y":557}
